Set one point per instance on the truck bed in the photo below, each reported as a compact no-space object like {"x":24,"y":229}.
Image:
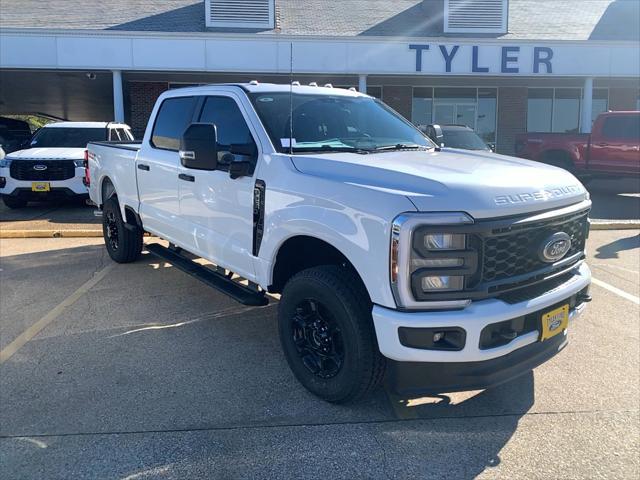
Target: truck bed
{"x":115,"y":161}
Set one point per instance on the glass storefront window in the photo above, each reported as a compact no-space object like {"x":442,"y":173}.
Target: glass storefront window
{"x":558,"y":109}
{"x":487,"y":110}
{"x":539,"y":109}
{"x":566,"y":110}
{"x":375,"y":92}
{"x":422,"y":106}
{"x":474,"y":107}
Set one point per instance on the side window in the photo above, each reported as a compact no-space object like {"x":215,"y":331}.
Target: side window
{"x":622,"y":127}
{"x":233,"y":133}
{"x":174,"y":116}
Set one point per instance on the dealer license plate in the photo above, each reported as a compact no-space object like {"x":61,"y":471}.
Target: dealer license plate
{"x":40,"y":187}
{"x":554,"y":322}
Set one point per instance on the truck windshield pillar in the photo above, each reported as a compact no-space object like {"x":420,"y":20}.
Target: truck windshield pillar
{"x":118,"y":98}
{"x":587,"y":104}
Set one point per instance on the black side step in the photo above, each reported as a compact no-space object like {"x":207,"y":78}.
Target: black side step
{"x":240,"y":293}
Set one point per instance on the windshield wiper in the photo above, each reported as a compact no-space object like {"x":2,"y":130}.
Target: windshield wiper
{"x":331,"y":148}
{"x":401,"y":146}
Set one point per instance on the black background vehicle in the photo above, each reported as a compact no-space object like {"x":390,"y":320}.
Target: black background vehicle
{"x":14,"y":134}
{"x":456,"y":136}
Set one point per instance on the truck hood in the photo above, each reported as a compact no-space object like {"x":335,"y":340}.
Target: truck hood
{"x":483,"y":184}
{"x":45,"y":153}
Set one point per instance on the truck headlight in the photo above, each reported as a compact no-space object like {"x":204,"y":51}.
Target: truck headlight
{"x":5,"y":163}
{"x":79,"y":163}
{"x":431,"y":258}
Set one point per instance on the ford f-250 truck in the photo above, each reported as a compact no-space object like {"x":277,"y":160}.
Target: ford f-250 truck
{"x":611,"y":149}
{"x":447,"y":271}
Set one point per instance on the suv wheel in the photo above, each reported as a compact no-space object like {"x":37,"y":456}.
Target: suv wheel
{"x":14,"y":202}
{"x":327,"y":334}
{"x":123,"y":241}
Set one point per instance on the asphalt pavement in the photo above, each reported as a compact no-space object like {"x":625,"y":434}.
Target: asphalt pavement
{"x":139,"y":371}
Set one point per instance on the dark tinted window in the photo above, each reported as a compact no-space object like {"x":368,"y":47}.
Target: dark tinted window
{"x":172,"y":120}
{"x":233,"y":133}
{"x":466,"y":139}
{"x":623,"y":126}
{"x":53,"y":137}
{"x":114,"y":136}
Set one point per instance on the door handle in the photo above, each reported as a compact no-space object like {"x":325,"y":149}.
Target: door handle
{"x":142,"y":166}
{"x":187,"y":178}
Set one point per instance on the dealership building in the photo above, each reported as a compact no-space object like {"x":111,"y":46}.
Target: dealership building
{"x":502,"y":67}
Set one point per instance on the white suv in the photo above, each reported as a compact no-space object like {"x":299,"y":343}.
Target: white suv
{"x":53,"y":165}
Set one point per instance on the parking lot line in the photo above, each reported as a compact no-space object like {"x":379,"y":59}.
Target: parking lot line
{"x":617,"y":291}
{"x":34,"y":329}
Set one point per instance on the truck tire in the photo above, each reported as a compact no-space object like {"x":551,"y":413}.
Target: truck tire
{"x":14,"y":202}
{"x":123,"y":241}
{"x":327,"y":334}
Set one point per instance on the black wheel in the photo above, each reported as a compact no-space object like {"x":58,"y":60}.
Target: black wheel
{"x":124,"y":243}
{"x":14,"y":202}
{"x":327,"y":334}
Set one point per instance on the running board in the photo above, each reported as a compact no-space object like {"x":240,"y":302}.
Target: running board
{"x":240,"y":293}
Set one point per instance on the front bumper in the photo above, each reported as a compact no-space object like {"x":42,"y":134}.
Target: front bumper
{"x":472,"y":319}
{"x":487,"y":363}
{"x":69,"y":187}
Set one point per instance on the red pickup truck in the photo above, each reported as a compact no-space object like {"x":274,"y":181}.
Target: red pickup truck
{"x":612,"y":147}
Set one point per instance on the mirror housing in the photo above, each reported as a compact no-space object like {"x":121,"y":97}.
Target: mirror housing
{"x":199,"y":147}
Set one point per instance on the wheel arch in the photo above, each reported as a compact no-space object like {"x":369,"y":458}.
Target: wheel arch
{"x":300,"y":252}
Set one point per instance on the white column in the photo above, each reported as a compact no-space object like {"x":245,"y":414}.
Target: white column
{"x":587,"y":104}
{"x":118,"y":97}
{"x":362,"y":83}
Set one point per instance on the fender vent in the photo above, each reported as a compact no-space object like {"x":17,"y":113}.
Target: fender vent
{"x":257,"y":14}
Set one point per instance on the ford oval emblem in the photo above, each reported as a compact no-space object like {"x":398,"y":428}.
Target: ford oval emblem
{"x":555,"y":247}
{"x":40,"y":168}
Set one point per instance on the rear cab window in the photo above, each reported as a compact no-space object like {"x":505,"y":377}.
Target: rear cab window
{"x":173,"y":118}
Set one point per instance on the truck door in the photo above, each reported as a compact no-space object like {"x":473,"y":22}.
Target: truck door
{"x":615,"y":146}
{"x":218,"y":209}
{"x":157,"y":169}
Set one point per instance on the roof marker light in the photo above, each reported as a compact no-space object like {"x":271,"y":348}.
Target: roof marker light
{"x":295,"y":83}
{"x":328,"y":85}
{"x":313,"y":84}
{"x":253,"y":82}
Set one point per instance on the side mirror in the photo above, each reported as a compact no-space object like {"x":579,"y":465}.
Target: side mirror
{"x":199,"y":147}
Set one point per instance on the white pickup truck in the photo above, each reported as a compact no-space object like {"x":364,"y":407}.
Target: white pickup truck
{"x":438,"y":271}
{"x":53,"y":163}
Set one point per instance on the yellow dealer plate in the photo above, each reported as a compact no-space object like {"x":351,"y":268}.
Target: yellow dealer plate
{"x":554,"y":322}
{"x":40,"y":187}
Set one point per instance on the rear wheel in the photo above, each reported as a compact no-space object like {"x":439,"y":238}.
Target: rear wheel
{"x":14,"y":202}
{"x":327,"y":334}
{"x":123,"y":241}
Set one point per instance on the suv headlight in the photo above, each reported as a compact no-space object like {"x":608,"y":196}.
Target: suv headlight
{"x":431,"y":259}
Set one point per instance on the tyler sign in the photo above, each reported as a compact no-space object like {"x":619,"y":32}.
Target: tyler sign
{"x":488,"y":59}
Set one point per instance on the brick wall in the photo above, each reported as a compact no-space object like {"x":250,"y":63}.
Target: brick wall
{"x":623,"y":98}
{"x":512,"y":117}
{"x":142,"y":98}
{"x":399,"y":98}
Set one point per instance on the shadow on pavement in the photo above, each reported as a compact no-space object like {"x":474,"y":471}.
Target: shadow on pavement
{"x":610,"y":250}
{"x":617,"y":199}
{"x":150,"y":352}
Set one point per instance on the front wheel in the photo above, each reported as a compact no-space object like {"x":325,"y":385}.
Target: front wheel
{"x":327,"y":334}
{"x":123,"y":241}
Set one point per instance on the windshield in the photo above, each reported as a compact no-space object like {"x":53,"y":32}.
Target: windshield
{"x":465,"y":139}
{"x":334,"y":123}
{"x":68,"y":137}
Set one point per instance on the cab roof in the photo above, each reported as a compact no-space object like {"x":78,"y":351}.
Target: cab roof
{"x":85,"y":125}
{"x":256,"y":87}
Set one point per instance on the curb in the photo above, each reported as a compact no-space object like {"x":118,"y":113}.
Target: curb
{"x":615,"y":224}
{"x":50,"y":233}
